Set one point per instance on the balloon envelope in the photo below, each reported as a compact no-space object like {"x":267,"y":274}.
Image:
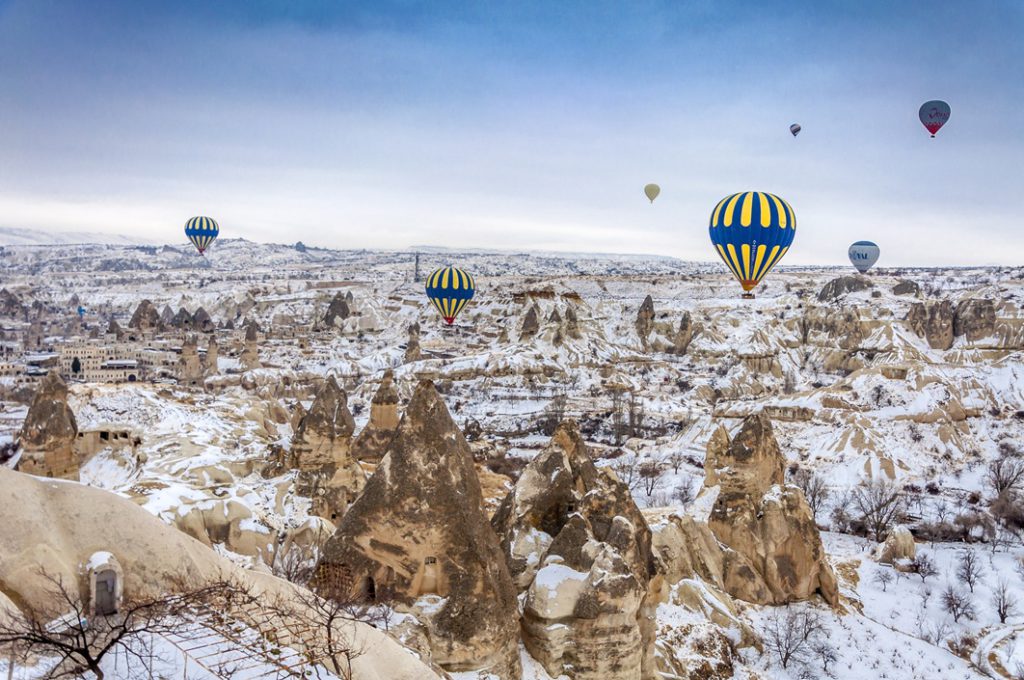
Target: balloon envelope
{"x":864,"y":255}
{"x":652,"y":191}
{"x":752,"y":231}
{"x":934,"y":115}
{"x":795,"y":129}
{"x":449,"y":289}
{"x":201,"y":231}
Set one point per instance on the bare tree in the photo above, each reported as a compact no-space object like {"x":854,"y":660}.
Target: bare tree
{"x":957,"y":603}
{"x":1005,"y":474}
{"x":675,"y":459}
{"x":813,"y":486}
{"x":685,"y":493}
{"x":791,"y":635}
{"x":1004,"y":601}
{"x":883,"y":578}
{"x":924,"y":566}
{"x":60,"y":625}
{"x":627,"y":469}
{"x":650,"y":472}
{"x":878,"y":505}
{"x":969,"y":568}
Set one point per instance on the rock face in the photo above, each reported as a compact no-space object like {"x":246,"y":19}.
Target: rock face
{"x":645,"y":320}
{"x":836,"y":288}
{"x":579,"y":547}
{"x":774,"y":553}
{"x":321,"y":452}
{"x":250,"y":351}
{"x":906,"y":288}
{"x":373,"y":442}
{"x":531,"y":323}
{"x":934,"y":322}
{"x":47,"y":437}
{"x":114,"y":329}
{"x":201,"y":321}
{"x":418,"y":532}
{"x":975,"y":318}
{"x":337,"y":311}
{"x":190,"y":369}
{"x":145,"y":318}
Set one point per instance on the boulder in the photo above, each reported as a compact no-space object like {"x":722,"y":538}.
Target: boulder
{"x":899,"y":545}
{"x":419,"y":534}
{"x":905,"y":287}
{"x":836,"y":288}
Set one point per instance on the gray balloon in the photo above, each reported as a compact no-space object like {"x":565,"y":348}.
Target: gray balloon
{"x":863,"y":255}
{"x":795,"y":129}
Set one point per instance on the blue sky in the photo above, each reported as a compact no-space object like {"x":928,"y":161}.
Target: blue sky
{"x":517,"y":125}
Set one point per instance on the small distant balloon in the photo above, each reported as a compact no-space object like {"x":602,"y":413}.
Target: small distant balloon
{"x":652,"y":191}
{"x":795,"y":129}
{"x":864,"y":255}
{"x":81,"y":311}
{"x":934,"y":115}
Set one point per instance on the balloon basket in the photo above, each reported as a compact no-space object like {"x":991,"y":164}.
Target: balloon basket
{"x":747,"y":296}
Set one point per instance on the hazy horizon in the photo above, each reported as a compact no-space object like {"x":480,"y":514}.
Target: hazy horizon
{"x":529,"y":127}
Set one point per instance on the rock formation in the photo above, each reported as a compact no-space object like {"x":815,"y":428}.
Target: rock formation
{"x":684,"y":336}
{"x":372,"y":443}
{"x":531,"y":323}
{"x":47,"y":437}
{"x":182,"y":320}
{"x":898,"y":546}
{"x":114,"y":329}
{"x":202,"y":322}
{"x":775,"y":554}
{"x":419,"y":534}
{"x":934,"y":322}
{"x":337,"y":311}
{"x":412,"y":348}
{"x":905,"y":287}
{"x":190,"y":369}
{"x":11,"y":306}
{"x":212,"y":355}
{"x":578,"y":546}
{"x":321,"y":453}
{"x":572,"y":323}
{"x":645,"y":320}
{"x":975,"y":318}
{"x":250,"y":351}
{"x":837,"y":288}
{"x":145,"y":318}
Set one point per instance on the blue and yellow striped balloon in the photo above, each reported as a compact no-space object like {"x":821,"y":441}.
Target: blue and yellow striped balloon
{"x":449,"y":289}
{"x":201,"y":231}
{"x":752,"y":231}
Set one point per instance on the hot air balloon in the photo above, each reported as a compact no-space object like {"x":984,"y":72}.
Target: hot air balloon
{"x":652,"y":191}
{"x":934,"y":115}
{"x":795,"y":129}
{"x":449,"y":289}
{"x":201,"y":231}
{"x":864,"y":255}
{"x":752,"y":231}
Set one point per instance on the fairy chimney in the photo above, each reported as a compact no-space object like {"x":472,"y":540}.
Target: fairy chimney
{"x":250,"y":350}
{"x":212,"y":354}
{"x":47,"y":437}
{"x":412,"y":349}
{"x":190,"y":369}
{"x":418,"y":533}
{"x":372,"y":443}
{"x":321,"y":452}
